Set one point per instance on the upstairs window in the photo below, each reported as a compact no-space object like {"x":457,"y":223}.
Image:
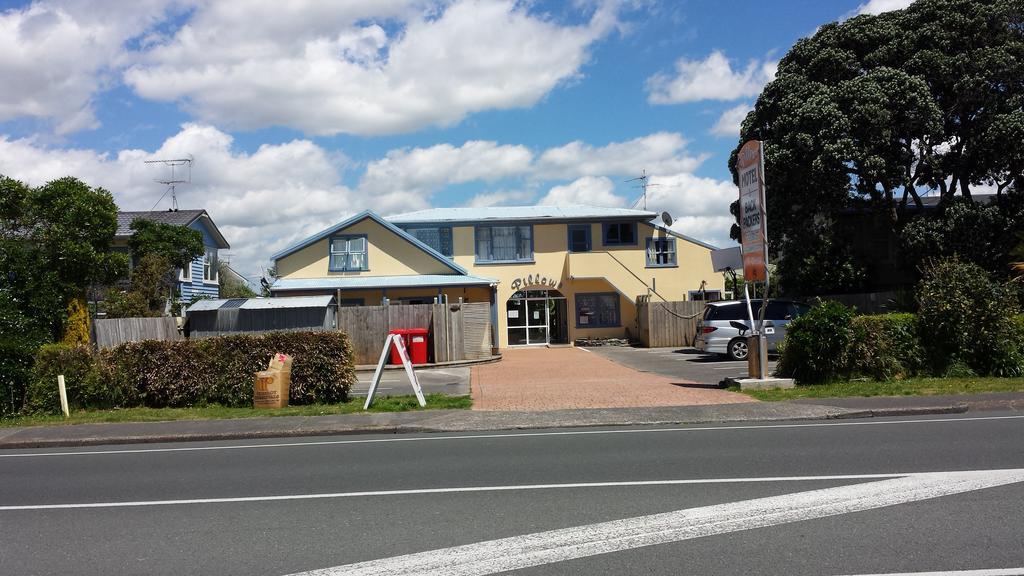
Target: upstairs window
{"x":661,"y":252}
{"x":504,"y":244}
{"x":439,"y":238}
{"x":348,"y":253}
{"x":579,"y":238}
{"x":210,"y":265}
{"x":620,"y":234}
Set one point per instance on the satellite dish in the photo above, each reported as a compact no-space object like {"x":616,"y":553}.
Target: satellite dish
{"x":666,"y":218}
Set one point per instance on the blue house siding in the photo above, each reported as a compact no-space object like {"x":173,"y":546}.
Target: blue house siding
{"x":196,"y":286}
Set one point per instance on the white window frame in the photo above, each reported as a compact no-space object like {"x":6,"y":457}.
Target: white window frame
{"x":347,"y":253}
{"x":210,"y":266}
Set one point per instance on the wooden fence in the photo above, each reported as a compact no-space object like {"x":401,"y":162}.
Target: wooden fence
{"x":110,"y":332}
{"x":662,"y":324}
{"x":457,"y":331}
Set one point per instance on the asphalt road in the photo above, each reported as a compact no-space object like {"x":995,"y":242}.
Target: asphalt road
{"x":683,"y":363}
{"x":926,"y":494}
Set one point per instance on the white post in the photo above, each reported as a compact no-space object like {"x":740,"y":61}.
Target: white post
{"x":63,"y":396}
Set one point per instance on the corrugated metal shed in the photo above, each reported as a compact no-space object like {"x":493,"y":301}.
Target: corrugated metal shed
{"x":371,"y":282}
{"x":510,"y":213}
{"x":262,"y":303}
{"x":208,"y":318}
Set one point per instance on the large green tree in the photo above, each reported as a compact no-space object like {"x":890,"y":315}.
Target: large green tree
{"x":873,"y":112}
{"x":55,"y":245}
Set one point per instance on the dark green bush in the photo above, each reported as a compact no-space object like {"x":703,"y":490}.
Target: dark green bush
{"x":817,"y":344}
{"x":88,"y":384}
{"x":967,"y":318}
{"x":885,"y":346}
{"x":20,"y":337}
{"x":220,"y":370}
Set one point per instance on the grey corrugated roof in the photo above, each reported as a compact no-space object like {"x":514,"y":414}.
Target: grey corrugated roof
{"x":173,"y":217}
{"x":264,"y":303}
{"x":373,"y":282}
{"x":508,"y":213}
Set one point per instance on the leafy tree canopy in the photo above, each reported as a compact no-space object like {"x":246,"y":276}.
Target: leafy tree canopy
{"x":178,"y":245}
{"x":872,"y":112}
{"x":55,"y":244}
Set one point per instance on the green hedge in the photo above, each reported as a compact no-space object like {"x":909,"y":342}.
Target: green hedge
{"x":183,"y":373}
{"x":831,"y":343}
{"x":885,"y":347}
{"x":967,"y":320}
{"x":817,"y":344}
{"x":87,"y":379}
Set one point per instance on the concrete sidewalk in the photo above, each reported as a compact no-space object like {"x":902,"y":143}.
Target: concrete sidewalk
{"x":476,"y":421}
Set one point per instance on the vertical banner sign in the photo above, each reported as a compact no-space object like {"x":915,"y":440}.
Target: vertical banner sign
{"x":753,"y":225}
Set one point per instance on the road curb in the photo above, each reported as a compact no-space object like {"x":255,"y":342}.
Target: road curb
{"x":832,"y":413}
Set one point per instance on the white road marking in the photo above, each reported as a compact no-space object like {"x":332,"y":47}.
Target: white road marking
{"x":418,"y":491}
{"x":541,"y":548}
{"x":434,"y":438}
{"x":992,"y":572}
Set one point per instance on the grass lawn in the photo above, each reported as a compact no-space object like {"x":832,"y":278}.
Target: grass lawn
{"x":380,"y":404}
{"x":909,"y":387}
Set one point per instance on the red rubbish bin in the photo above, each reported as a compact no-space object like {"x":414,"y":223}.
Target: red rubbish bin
{"x":416,"y":342}
{"x":395,"y":358}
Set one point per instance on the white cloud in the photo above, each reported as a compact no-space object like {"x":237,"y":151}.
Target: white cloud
{"x":364,"y":67}
{"x":420,"y":169}
{"x":56,"y":56}
{"x":728,"y":124}
{"x":662,"y":152}
{"x":501,"y":198}
{"x":879,"y":6}
{"x":710,"y":79}
{"x":589,"y":190}
{"x":699,"y":206}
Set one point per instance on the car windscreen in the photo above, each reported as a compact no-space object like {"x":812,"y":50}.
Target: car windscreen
{"x":731,"y":311}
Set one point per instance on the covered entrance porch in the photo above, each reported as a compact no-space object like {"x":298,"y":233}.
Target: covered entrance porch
{"x":537,"y":318}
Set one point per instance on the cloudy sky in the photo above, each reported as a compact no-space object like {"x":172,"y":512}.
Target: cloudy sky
{"x":298,"y":113}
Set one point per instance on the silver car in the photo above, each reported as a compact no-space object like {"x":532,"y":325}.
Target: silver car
{"x":726,"y":325}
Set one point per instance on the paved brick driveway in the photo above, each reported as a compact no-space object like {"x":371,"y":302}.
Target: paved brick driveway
{"x":566,"y":378}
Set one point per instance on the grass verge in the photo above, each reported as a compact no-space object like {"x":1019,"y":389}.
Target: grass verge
{"x":908,"y":387}
{"x":214,"y":412}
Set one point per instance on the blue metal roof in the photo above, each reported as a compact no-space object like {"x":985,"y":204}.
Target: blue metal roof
{"x":373,"y":282}
{"x":376,"y":218}
{"x":510,"y":213}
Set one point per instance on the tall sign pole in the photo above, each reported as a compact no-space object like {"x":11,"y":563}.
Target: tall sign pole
{"x":754,"y":234}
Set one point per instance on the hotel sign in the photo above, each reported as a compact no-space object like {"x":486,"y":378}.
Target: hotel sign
{"x":753,"y":224}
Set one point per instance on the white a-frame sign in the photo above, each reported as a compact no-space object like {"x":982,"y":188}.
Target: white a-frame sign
{"x":399,"y":344}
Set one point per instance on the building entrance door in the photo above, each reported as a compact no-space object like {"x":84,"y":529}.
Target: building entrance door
{"x":536,"y":317}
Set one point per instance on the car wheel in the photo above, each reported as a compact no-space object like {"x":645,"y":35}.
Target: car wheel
{"x":737,"y":349}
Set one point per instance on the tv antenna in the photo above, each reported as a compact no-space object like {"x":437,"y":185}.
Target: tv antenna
{"x":175,"y":179}
{"x":644,"y":185}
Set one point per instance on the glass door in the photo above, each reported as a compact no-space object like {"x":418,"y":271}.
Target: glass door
{"x":537,"y":321}
{"x":536,"y":317}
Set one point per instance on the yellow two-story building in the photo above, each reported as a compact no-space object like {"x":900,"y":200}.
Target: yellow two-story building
{"x":552,"y":274}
